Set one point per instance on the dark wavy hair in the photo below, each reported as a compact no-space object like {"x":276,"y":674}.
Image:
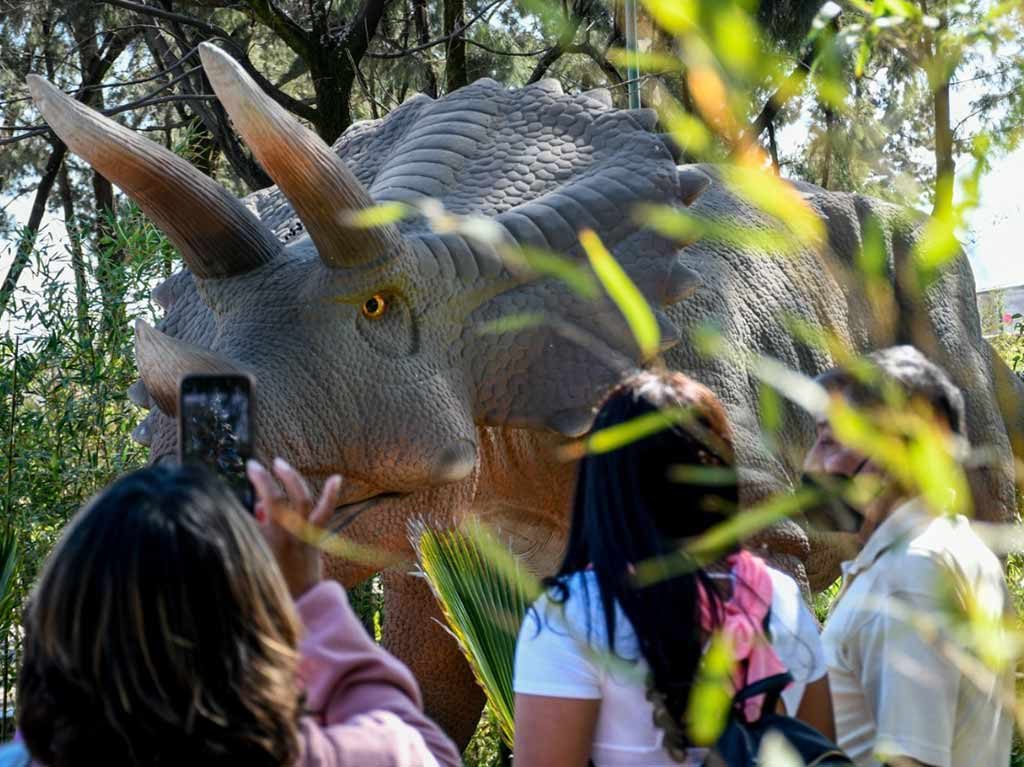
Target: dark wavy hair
{"x":636,"y":504}
{"x":161,"y":632}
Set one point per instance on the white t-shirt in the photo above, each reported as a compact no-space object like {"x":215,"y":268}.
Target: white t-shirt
{"x":889,"y":643}
{"x":555,"y":659}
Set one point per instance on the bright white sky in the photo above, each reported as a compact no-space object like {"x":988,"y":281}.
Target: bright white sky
{"x":995,"y":249}
{"x":998,"y":225}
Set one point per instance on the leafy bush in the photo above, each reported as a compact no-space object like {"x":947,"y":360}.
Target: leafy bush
{"x":66,"y":420}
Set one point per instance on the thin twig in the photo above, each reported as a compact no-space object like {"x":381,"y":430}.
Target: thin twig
{"x":495,"y":51}
{"x":138,"y":104}
{"x":118,"y":84}
{"x":440,"y":40}
{"x":149,"y":10}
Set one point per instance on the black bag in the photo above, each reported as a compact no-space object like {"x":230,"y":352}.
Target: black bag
{"x":740,"y":743}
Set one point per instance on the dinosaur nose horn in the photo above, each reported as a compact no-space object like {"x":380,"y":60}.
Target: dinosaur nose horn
{"x":163,"y":360}
{"x":216,"y":235}
{"x":315,"y":180}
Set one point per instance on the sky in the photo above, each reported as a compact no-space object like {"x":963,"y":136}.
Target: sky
{"x":998,"y":225}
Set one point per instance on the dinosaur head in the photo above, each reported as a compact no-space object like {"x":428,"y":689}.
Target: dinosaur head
{"x":375,"y":351}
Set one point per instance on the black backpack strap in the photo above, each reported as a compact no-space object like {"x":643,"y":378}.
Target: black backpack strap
{"x":771,"y":687}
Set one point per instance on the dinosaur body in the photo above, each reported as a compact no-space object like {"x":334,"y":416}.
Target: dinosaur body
{"x":374,"y":352}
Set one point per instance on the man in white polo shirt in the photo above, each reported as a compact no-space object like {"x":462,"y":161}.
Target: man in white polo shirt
{"x":896,"y":666}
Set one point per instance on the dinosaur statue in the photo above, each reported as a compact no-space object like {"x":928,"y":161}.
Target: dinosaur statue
{"x":367,"y":346}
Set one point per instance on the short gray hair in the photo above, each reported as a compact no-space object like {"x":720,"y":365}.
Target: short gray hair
{"x":914,"y":373}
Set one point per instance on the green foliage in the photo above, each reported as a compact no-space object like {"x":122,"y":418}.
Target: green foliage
{"x":711,"y":697}
{"x":10,"y":561}
{"x":1010,"y":346}
{"x":65,"y":417}
{"x":487,"y":747}
{"x":10,"y":597}
{"x":484,"y":594}
{"x":624,"y":293}
{"x":866,"y":80}
{"x":367,"y":600}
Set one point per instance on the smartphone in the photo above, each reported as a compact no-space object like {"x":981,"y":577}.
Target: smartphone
{"x":215,"y":421}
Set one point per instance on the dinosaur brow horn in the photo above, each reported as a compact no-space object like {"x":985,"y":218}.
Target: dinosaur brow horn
{"x":216,"y":235}
{"x":313,"y":178}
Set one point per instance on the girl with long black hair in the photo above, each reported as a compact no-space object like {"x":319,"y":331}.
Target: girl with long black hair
{"x":606,"y":661}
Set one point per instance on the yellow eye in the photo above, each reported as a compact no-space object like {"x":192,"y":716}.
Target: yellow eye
{"x":375,"y":306}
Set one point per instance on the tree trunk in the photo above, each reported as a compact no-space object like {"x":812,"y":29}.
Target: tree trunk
{"x":940,"y":72}
{"x":455,"y":73}
{"x":419,"y":15}
{"x":826,"y":171}
{"x":31,"y":231}
{"x":773,"y":148}
{"x":332,"y":84}
{"x":90,"y":77}
{"x":77,"y":258}
{"x":945,"y":166}
{"x":211,"y":115}
{"x":110,"y":258}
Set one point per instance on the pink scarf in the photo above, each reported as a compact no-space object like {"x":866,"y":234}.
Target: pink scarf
{"x":743,"y":624}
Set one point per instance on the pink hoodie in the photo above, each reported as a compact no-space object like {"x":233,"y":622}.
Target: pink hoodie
{"x":365,"y":707}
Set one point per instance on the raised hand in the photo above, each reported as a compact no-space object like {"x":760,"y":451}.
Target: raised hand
{"x":291,"y":521}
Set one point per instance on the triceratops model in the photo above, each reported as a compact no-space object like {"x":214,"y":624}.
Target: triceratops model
{"x":366,"y":343}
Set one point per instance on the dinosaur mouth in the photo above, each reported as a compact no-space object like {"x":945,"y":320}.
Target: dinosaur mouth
{"x":347,"y":513}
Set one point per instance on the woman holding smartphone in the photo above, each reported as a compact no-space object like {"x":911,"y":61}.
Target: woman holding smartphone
{"x":170,"y":627}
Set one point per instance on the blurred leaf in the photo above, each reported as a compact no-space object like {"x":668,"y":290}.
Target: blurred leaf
{"x":737,"y":41}
{"x":872,"y":259}
{"x":905,"y":440}
{"x":937,"y":473}
{"x":936,"y":247}
{"x":686,"y":227}
{"x":722,"y":476}
{"x":722,"y":537}
{"x":511,"y":323}
{"x":794,"y":386}
{"x":481,"y":228}
{"x":686,"y":129}
{"x":624,"y":293}
{"x":900,"y":8}
{"x":551,"y":264}
{"x":776,"y":751}
{"x":677,"y":224}
{"x":753,"y":520}
{"x":711,"y":695}
{"x":336,"y":545}
{"x":674,"y":16}
{"x":778,"y":199}
{"x":711,"y":97}
{"x":621,"y":434}
{"x":770,"y":406}
{"x":863,"y":56}
{"x":381,"y":214}
{"x":647,"y":61}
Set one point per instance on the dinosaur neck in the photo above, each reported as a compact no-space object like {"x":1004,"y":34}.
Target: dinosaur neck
{"x":526,"y":492}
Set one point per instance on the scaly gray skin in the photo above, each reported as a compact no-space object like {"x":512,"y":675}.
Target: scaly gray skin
{"x":427,"y":417}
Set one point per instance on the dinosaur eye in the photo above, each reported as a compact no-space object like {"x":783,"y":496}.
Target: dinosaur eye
{"x":375,"y":306}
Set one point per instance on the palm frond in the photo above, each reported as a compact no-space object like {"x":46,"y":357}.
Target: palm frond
{"x":484,"y":593}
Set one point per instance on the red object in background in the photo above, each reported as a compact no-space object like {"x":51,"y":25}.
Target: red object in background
{"x":1007,"y":318}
